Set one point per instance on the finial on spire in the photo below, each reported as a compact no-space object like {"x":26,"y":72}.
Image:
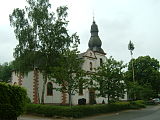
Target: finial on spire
{"x":93,"y":16}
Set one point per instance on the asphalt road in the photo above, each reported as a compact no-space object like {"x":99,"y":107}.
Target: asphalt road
{"x":149,"y":113}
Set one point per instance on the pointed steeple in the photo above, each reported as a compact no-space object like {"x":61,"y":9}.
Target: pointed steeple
{"x":94,"y":29}
{"x":95,"y":42}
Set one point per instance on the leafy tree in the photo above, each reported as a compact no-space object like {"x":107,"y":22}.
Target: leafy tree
{"x":136,"y":91}
{"x":6,"y":72}
{"x":69,"y":73}
{"x":146,"y":92}
{"x":42,"y":37}
{"x":109,"y":79}
{"x":146,"y":72}
{"x":131,"y":48}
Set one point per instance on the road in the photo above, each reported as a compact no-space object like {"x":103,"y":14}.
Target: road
{"x":149,"y":113}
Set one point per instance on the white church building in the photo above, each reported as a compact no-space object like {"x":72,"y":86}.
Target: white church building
{"x":33,"y":82}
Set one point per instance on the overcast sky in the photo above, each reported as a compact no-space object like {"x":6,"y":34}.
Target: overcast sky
{"x":118,"y":21}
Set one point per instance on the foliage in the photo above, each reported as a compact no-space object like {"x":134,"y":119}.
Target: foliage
{"x":109,"y":78}
{"x":136,"y":91}
{"x":7,"y":112}
{"x":131,"y":47}
{"x":12,"y":100}
{"x":69,"y":73}
{"x":6,"y":72}
{"x":80,"y":111}
{"x":146,"y":92}
{"x":137,"y":104}
{"x":42,"y":36}
{"x":147,"y":76}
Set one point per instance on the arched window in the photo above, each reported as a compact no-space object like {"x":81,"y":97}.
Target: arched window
{"x":91,"y":67}
{"x":101,"y":61}
{"x":49,"y":89}
{"x":15,"y":83}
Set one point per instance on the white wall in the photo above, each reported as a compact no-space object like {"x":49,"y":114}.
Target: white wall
{"x":57,"y":96}
{"x":28,"y":84}
{"x":14,"y":78}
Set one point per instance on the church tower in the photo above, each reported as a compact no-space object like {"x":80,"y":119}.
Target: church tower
{"x":95,"y":55}
{"x":95,"y":43}
{"x":93,"y":58}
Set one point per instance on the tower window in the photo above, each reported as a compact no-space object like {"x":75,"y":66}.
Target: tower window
{"x":91,"y":67}
{"x":49,"y":89}
{"x":101,"y":61}
{"x":90,"y":54}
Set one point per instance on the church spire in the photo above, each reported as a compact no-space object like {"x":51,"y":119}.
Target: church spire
{"x":94,"y":29}
{"x":93,"y":16}
{"x":95,"y":42}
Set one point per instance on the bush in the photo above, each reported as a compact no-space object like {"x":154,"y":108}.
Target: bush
{"x":150,"y":102}
{"x":7,"y":112}
{"x":79,"y":111}
{"x":137,"y":104}
{"x":12,"y":101}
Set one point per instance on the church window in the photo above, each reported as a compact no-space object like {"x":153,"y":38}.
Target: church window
{"x":80,"y":88}
{"x":91,"y":67}
{"x":49,"y":89}
{"x":15,"y":83}
{"x":90,"y":54}
{"x":101,"y":61}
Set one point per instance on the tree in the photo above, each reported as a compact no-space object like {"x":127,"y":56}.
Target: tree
{"x":136,"y":91}
{"x":42,"y":37}
{"x":131,"y":48}
{"x":109,"y":79}
{"x":69,"y":73}
{"x":146,"y":72}
{"x":6,"y":72}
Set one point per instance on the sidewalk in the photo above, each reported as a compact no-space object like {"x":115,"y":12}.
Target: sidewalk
{"x":31,"y":117}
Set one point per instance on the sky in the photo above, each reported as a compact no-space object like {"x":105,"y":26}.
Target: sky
{"x":119,"y":21}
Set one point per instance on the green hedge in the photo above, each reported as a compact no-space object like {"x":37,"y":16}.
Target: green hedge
{"x":137,"y":104}
{"x":12,"y":101}
{"x":78,"y":111}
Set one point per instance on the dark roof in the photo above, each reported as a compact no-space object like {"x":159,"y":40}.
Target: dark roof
{"x":95,"y":42}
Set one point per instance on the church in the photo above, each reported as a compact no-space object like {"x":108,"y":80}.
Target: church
{"x":33,"y":82}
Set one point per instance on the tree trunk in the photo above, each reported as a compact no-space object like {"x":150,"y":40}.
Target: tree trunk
{"x":43,"y":89}
{"x":108,"y":99}
{"x":70,"y":99}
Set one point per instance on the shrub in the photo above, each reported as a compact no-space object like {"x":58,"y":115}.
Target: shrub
{"x":137,"y":104}
{"x":79,"y":111}
{"x":7,"y":112}
{"x":12,"y":101}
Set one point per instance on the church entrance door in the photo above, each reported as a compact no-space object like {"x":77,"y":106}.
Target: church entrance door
{"x":92,"y":99}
